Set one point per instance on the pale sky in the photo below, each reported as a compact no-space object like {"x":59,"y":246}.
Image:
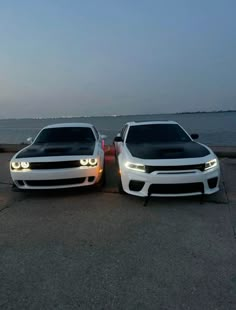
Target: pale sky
{"x":105,"y":57}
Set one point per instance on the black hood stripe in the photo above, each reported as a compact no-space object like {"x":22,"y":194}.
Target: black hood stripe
{"x":55,"y":149}
{"x":168,"y":151}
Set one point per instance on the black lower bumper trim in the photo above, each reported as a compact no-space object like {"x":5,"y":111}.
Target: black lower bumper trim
{"x":55,"y":182}
{"x":184,"y":188}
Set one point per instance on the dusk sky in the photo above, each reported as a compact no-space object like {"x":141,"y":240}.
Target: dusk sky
{"x":105,"y":57}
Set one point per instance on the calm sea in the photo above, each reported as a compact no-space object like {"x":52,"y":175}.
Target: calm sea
{"x":214,"y":128}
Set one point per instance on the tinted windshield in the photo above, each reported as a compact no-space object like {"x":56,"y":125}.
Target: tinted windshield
{"x":156,"y":133}
{"x":65,"y":135}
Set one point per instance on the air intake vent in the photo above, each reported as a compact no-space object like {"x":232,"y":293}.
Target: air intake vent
{"x":136,"y":186}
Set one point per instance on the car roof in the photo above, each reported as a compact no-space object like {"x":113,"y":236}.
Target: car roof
{"x":136,"y":123}
{"x":64,"y":125}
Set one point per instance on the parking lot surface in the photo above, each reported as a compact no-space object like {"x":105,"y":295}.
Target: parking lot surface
{"x":92,"y":249}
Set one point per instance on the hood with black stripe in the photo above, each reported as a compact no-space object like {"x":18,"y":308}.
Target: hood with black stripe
{"x":168,"y":151}
{"x":57,"y":149}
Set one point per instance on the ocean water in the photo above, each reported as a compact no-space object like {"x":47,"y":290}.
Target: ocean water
{"x":218,"y":129}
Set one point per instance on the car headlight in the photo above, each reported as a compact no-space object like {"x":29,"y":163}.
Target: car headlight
{"x":93,"y":161}
{"x":15,"y":165}
{"x":89,"y":162}
{"x":210,"y":164}
{"x":84,"y":162}
{"x":20,"y":165}
{"x":136,"y":167}
{"x":24,"y":164}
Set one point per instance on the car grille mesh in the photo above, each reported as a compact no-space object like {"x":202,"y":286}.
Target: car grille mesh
{"x":55,"y":165}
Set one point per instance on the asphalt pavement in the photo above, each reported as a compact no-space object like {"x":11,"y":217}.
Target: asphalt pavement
{"x":97,"y":249}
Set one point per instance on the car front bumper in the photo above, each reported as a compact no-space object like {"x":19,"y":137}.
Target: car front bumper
{"x":170,"y":184}
{"x":56,"y":178}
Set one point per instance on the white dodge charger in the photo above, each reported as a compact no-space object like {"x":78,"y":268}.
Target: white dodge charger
{"x":61,"y":156}
{"x":159,"y":158}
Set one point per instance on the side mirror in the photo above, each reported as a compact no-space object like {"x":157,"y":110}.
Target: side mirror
{"x":118,"y":139}
{"x":29,"y":140}
{"x":194,"y":136}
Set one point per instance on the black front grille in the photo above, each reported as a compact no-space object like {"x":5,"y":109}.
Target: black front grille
{"x":185,"y":188}
{"x":150,"y":169}
{"x":54,"y":182}
{"x":55,"y":165}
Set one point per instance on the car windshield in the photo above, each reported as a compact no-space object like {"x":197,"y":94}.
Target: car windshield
{"x":66,"y":135}
{"x":156,"y":133}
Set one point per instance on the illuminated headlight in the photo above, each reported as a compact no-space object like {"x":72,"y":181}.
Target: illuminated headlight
{"x":210,"y":164}
{"x":93,"y":161}
{"x":15,"y":165}
{"x":84,"y":162}
{"x":136,"y":167}
{"x":24,"y":165}
{"x":20,"y":165}
{"x":88,"y":162}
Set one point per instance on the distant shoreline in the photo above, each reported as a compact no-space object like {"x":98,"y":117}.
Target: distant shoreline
{"x":123,"y":115}
{"x":201,"y":112}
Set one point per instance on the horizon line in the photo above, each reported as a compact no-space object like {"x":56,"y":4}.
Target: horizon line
{"x":115,"y":115}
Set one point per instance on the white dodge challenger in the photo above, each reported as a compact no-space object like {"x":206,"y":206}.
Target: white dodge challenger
{"x":61,"y":156}
{"x":159,"y":158}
